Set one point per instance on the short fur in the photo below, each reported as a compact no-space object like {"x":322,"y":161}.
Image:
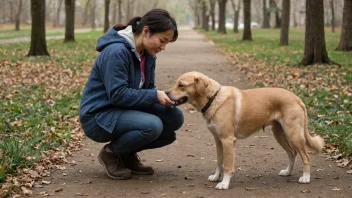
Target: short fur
{"x":237,"y":114}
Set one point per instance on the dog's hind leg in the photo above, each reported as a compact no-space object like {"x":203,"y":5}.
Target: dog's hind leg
{"x":219,"y":162}
{"x":281,"y":138}
{"x":295,"y":131}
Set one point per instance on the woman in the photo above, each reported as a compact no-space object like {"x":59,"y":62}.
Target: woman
{"x":120,"y":104}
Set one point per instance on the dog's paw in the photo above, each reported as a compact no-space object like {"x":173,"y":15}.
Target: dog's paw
{"x":305,"y":179}
{"x":284,"y":173}
{"x":222,"y":185}
{"x":214,"y":178}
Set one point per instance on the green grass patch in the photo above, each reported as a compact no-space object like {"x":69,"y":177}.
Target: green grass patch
{"x":39,"y":96}
{"x":326,"y":90}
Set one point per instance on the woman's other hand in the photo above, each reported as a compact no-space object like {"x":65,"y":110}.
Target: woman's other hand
{"x":163,"y":99}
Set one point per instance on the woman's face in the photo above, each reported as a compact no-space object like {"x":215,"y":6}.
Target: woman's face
{"x":156,"y":42}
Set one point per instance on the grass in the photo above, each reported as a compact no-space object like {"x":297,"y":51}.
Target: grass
{"x":326,"y":90}
{"x":40,"y":98}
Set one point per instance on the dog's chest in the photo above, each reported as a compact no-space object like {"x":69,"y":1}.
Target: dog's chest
{"x":211,"y":126}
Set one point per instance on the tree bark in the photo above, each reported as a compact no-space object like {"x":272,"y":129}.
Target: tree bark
{"x":17,"y":26}
{"x":120,"y":11}
{"x":333,"y":15}
{"x":205,"y":17}
{"x":266,"y":16}
{"x":57,"y":20}
{"x":247,"y":32}
{"x":222,"y":16}
{"x":92,"y":14}
{"x":314,"y":45}
{"x":346,"y":33}
{"x":70,"y":20}
{"x":285,"y":22}
{"x":236,"y":10}
{"x":38,"y":42}
{"x":106,"y":18}
{"x":85,"y":15}
{"x":212,"y":13}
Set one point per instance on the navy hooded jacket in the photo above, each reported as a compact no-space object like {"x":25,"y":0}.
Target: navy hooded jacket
{"x":113,"y":84}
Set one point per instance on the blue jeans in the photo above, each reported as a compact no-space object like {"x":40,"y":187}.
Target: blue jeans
{"x":141,"y":129}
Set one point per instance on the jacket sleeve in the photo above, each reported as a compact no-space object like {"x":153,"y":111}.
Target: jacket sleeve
{"x":152,"y":78}
{"x":114,"y":74}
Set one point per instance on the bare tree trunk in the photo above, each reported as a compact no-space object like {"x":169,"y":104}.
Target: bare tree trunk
{"x":70,"y":20}
{"x":92,"y":14}
{"x":114,"y":13}
{"x":236,"y":16}
{"x":18,"y":16}
{"x":285,"y":22}
{"x":11,"y":11}
{"x":38,"y":42}
{"x":57,"y":21}
{"x":346,"y":33}
{"x":85,"y":15}
{"x":106,"y":18}
{"x":333,"y":15}
{"x":247,"y":32}
{"x":120,"y":11}
{"x":294,"y":9}
{"x":212,"y":13}
{"x":205,"y":17}
{"x":266,"y":16}
{"x":314,"y":45}
{"x":222,"y":16}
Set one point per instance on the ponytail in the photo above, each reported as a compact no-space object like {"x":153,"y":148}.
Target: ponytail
{"x":134,"y":22}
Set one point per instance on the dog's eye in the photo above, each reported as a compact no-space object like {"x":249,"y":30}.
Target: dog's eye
{"x":180,"y":85}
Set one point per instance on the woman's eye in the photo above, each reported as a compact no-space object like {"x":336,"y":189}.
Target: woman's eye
{"x":180,"y":85}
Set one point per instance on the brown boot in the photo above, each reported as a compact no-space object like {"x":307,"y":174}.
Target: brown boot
{"x":132,"y":162}
{"x":113,"y":165}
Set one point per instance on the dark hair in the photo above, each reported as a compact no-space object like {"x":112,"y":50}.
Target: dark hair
{"x":158,"y":20}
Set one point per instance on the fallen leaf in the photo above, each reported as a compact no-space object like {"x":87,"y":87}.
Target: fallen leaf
{"x":336,"y":189}
{"x":159,"y":160}
{"x":250,"y":189}
{"x":305,"y":191}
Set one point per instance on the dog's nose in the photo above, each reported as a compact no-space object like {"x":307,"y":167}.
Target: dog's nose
{"x":167,"y":92}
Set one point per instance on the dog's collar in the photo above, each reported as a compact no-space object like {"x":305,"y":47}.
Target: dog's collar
{"x":211,"y":99}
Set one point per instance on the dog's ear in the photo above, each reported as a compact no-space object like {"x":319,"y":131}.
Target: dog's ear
{"x":201,"y":85}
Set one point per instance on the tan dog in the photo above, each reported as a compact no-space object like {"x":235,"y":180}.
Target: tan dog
{"x":232,"y":114}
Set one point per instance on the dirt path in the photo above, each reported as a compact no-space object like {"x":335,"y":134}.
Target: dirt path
{"x":187,"y":163}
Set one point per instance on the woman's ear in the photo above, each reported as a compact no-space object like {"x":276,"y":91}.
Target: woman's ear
{"x":201,"y":85}
{"x":145,"y":31}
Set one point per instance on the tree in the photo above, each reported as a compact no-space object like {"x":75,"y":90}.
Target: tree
{"x":57,"y":20}
{"x":222,"y":16}
{"x":92,"y":13}
{"x":85,"y":15}
{"x":106,"y":18}
{"x":205,"y":16}
{"x":236,"y":17}
{"x":18,"y":16}
{"x":273,"y":7}
{"x":212,"y":13}
{"x":247,"y":32}
{"x":333,"y":16}
{"x":346,"y":33}
{"x":314,"y":45}
{"x":38,"y":42}
{"x":285,"y":22}
{"x":266,"y":16}
{"x":70,"y":20}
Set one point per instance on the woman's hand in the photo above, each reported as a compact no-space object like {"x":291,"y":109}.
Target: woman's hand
{"x":163,"y":99}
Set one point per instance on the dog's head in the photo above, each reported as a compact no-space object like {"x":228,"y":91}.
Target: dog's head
{"x":189,"y":87}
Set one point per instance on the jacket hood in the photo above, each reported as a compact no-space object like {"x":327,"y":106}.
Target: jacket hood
{"x":124,"y":36}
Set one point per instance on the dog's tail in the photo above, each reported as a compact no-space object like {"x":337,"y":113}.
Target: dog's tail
{"x":315,"y":143}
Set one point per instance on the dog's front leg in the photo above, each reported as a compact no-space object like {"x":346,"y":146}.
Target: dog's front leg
{"x":219,"y":162}
{"x":228,"y":155}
